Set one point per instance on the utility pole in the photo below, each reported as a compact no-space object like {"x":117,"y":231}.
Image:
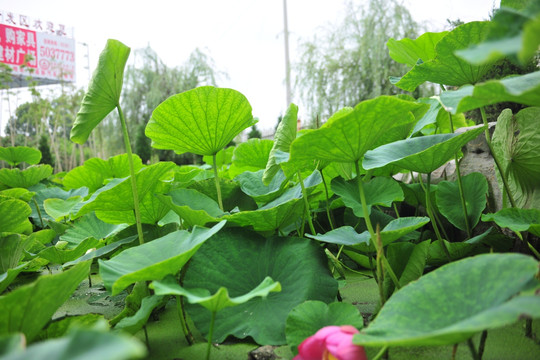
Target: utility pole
{"x":287,"y":60}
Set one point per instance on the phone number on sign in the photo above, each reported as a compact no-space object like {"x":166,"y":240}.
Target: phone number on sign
{"x":57,"y":54}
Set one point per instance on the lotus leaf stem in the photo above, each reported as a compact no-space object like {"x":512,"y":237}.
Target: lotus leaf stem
{"x":216,"y":179}
{"x":306,"y":204}
{"x":132,"y":173}
{"x":496,"y":160}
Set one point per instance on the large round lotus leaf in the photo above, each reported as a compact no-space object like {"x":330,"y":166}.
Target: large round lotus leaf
{"x":90,"y":226}
{"x":239,"y":260}
{"x":307,"y":318}
{"x":155,"y":259}
{"x":251,"y":155}
{"x":408,"y":51}
{"x":202,"y":121}
{"x":104,"y":90}
{"x":113,"y":203}
{"x":95,"y":170}
{"x":14,"y":216}
{"x":422,"y":154}
{"x":446,"y":68}
{"x":51,"y":193}
{"x":522,"y":89}
{"x":454,"y":302}
{"x":516,"y":219}
{"x":252,"y":184}
{"x":372,"y":123}
{"x":517,"y":34}
{"x":193,"y":207}
{"x":17,"y":178}
{"x":14,"y":155}
{"x":516,"y":143}
{"x":381,"y":191}
{"x":475,"y":189}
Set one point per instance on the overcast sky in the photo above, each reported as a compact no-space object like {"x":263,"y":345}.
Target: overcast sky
{"x":244,"y":37}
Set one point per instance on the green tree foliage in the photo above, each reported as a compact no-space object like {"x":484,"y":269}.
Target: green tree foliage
{"x":254,"y":133}
{"x":46,"y":156}
{"x":349,"y":62}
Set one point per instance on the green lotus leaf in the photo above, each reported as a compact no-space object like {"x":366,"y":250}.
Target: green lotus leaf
{"x":152,"y":210}
{"x":252,"y":184}
{"x":54,"y":192}
{"x":522,"y":89}
{"x":90,"y":226}
{"x":516,"y":34}
{"x":283,"y":138}
{"x":103,"y":94}
{"x":18,"y":193}
{"x":14,"y":155}
{"x":39,"y":240}
{"x":430,"y":116}
{"x":64,"y":325}
{"x":107,"y":249}
{"x":240,"y":260}
{"x":82,"y":344}
{"x":82,"y":176}
{"x":516,"y":143}
{"x":12,"y":343}
{"x":220,"y":300}
{"x":446,"y":68}
{"x":186,"y":175}
{"x":280,"y":212}
{"x":7,"y":278}
{"x":202,"y":121}
{"x":408,"y":261}
{"x":251,"y":155}
{"x":407,"y":51}
{"x":307,"y":318}
{"x":395,"y":229}
{"x":379,"y":191}
{"x":115,"y":202}
{"x":193,"y":207}
{"x":14,"y":216}
{"x":422,"y":154}
{"x":155,"y":259}
{"x":269,"y":218}
{"x":346,"y":139}
{"x":452,"y":303}
{"x":223,"y":158}
{"x":475,"y":190}
{"x":12,"y":248}
{"x":56,"y":255}
{"x":49,"y":291}
{"x":95,"y":171}
{"x":516,"y":219}
{"x":132,"y":324}
{"x":231,"y":193}
{"x":16,"y":178}
{"x":60,"y":209}
{"x":458,"y":250}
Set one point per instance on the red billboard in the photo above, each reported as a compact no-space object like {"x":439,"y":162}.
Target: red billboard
{"x":44,"y":55}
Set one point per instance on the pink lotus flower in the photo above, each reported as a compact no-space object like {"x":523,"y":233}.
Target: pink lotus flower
{"x":331,"y":343}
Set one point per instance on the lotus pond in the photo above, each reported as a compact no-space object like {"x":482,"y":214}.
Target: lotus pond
{"x":271,"y":240}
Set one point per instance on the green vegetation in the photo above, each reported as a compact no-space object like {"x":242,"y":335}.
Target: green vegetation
{"x":127,"y":256}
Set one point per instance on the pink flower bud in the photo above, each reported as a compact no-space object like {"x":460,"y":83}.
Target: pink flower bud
{"x":331,"y":343}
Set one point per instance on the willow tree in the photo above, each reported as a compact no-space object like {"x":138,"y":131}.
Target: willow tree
{"x":348,"y":62}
